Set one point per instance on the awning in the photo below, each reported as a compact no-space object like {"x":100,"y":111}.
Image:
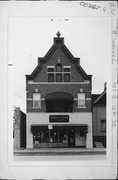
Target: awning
{"x":38,"y":128}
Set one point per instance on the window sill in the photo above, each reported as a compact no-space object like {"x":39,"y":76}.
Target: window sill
{"x":36,"y":107}
{"x":81,"y":107}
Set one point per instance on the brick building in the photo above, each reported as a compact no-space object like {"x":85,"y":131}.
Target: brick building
{"x":59,"y":110}
{"x":19,"y":128}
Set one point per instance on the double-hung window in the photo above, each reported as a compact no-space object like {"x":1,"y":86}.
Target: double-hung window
{"x":81,"y":100}
{"x":66,"y":74}
{"x":58,"y":72}
{"x":51,"y":74}
{"x":36,"y":100}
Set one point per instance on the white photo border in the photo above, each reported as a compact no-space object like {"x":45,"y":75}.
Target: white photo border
{"x":69,"y":169}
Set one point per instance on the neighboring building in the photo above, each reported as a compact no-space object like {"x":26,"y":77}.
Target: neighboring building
{"x":19,"y":128}
{"x":59,"y":108}
{"x":99,"y":118}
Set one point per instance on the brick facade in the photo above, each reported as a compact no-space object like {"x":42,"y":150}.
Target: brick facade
{"x":78,"y":78}
{"x":38,"y":82}
{"x":19,"y":129}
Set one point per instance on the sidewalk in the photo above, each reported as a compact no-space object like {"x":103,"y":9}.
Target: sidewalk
{"x":73,"y":151}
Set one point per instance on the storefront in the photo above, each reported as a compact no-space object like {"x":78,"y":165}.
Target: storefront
{"x":59,"y":135}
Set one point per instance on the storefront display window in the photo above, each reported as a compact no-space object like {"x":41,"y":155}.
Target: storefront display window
{"x":58,"y":136}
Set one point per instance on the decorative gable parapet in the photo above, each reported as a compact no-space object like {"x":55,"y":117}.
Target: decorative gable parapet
{"x":61,"y":46}
{"x":86,"y":76}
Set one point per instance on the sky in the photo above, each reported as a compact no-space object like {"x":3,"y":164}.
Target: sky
{"x":31,"y":37}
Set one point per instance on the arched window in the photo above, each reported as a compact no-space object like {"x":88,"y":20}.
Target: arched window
{"x":58,"y":72}
{"x":58,"y":67}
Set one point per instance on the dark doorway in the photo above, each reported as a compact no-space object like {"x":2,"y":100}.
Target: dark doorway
{"x":71,"y":138}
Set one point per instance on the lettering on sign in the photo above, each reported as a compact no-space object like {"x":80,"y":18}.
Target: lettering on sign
{"x":58,"y":118}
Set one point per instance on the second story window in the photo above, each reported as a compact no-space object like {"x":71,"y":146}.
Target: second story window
{"x":66,"y":77}
{"x":58,"y":77}
{"x":50,"y":74}
{"x":67,"y":74}
{"x":81,"y":100}
{"x":59,"y":73}
{"x":51,"y":77}
{"x":36,"y":100}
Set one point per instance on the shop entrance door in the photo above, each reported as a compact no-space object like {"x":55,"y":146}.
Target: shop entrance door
{"x":71,"y":138}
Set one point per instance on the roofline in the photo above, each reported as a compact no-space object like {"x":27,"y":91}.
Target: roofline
{"x":75,"y":60}
{"x":101,"y":95}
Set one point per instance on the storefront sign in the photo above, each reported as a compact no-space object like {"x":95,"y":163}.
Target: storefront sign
{"x":58,"y":118}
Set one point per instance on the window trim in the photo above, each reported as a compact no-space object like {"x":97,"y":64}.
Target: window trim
{"x":50,"y":67}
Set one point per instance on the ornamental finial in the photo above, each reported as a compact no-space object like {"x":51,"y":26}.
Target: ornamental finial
{"x":58,"y":34}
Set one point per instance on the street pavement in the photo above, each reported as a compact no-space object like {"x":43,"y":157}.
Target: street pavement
{"x":60,"y":154}
{"x":59,"y":151}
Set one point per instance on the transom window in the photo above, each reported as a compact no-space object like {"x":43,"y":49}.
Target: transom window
{"x":36,"y":100}
{"x":51,"y":69}
{"x":66,"y":69}
{"x":59,"y":73}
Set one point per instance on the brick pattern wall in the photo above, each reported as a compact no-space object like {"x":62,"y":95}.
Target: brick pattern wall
{"x":73,"y":88}
{"x":44,"y":89}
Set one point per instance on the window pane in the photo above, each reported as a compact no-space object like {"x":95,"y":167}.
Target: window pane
{"x":62,"y":136}
{"x":36,"y":96}
{"x":50,"y":77}
{"x":67,"y":77}
{"x":58,"y":68}
{"x":81,"y":102}
{"x":36,"y":103}
{"x":58,"y":77}
{"x":81,"y":96}
{"x":50,"y":69}
{"x":66,"y":69}
{"x":81,"y":99}
{"x":53,"y":136}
